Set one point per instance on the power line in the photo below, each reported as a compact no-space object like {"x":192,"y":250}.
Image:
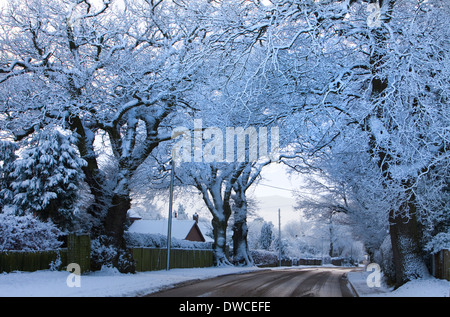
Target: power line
{"x":286,"y":189}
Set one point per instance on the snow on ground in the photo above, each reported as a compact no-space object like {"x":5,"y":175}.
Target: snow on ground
{"x":430,"y":287}
{"x":425,"y":287}
{"x":110,"y":283}
{"x":104,"y":283}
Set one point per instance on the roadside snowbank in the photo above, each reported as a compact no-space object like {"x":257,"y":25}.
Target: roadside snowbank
{"x":104,"y":283}
{"x":429,"y":287}
{"x":426,"y":287}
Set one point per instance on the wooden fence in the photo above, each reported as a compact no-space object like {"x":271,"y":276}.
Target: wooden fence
{"x":152,"y":259}
{"x":78,"y":251}
{"x":32,"y":261}
{"x":441,"y":264}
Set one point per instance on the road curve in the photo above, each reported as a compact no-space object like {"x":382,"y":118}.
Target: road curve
{"x":289,"y":282}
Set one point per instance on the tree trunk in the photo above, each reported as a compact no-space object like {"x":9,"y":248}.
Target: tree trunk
{"x":405,"y":238}
{"x":331,"y":252}
{"x":109,"y":213}
{"x":241,"y":254}
{"x":219,"y":206}
{"x":114,"y":227}
{"x":116,"y":216}
{"x":93,"y":176}
{"x":220,"y":241}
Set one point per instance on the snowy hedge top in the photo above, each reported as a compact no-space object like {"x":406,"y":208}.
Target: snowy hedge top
{"x":27,"y":233}
{"x":145,"y":240}
{"x":440,"y":242}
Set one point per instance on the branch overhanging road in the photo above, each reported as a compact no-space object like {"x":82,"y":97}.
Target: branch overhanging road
{"x":289,"y":282}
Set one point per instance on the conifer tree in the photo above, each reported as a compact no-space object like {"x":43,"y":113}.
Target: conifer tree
{"x":47,"y":178}
{"x":7,"y":158}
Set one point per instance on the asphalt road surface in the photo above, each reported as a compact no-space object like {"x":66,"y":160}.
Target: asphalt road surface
{"x":296,"y":282}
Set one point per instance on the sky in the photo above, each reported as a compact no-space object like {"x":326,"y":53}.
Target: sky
{"x":276,"y":181}
{"x":274,"y":191}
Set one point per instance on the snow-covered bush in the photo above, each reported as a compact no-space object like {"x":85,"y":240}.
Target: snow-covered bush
{"x":105,"y":254}
{"x":385,"y":259}
{"x":264,"y":257}
{"x":143,"y":240}
{"x":440,"y":242}
{"x":102,"y":253}
{"x":27,"y":233}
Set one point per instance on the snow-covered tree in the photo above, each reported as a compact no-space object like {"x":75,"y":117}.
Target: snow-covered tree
{"x":240,"y":208}
{"x":46,"y":178}
{"x":404,"y":116}
{"x":215,"y":183}
{"x":181,"y":212}
{"x":99,"y":68}
{"x":7,"y":158}
{"x":334,"y":188}
{"x":382,"y":82}
{"x":358,"y":89}
{"x":266,"y":236}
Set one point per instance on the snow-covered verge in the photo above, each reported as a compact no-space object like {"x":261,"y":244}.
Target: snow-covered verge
{"x":424,"y":287}
{"x":104,"y":283}
{"x":111,"y":283}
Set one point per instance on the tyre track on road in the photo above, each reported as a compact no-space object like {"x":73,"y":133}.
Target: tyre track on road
{"x":298,"y":282}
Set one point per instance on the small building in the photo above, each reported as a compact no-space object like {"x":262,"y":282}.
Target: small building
{"x":181,"y":229}
{"x":133,"y":215}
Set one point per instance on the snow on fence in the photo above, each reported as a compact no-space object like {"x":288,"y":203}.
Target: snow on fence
{"x":441,"y":264}
{"x":153,"y":259}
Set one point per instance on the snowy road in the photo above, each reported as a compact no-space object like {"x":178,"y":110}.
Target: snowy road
{"x":304,"y":282}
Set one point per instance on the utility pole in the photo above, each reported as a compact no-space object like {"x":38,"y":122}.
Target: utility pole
{"x":169,"y":224}
{"x":279,"y":236}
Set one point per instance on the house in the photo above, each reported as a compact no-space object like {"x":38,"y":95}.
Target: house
{"x":133,"y":215}
{"x":181,"y":229}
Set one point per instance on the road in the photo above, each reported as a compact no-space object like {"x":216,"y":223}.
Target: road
{"x":289,"y":282}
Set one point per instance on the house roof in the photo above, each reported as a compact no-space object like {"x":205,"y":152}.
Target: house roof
{"x":133,"y":214}
{"x":180,"y":228}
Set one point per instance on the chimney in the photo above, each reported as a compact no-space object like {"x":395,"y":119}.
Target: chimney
{"x":195,"y":217}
